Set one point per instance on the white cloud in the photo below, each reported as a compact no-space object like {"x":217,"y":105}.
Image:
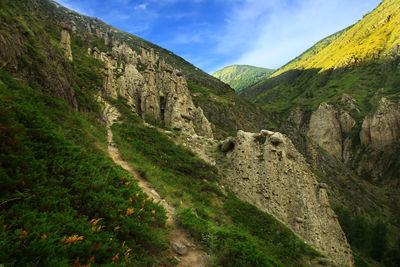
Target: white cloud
{"x":140,"y":7}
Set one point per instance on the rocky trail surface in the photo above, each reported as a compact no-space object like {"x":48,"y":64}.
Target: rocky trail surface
{"x":182,"y":246}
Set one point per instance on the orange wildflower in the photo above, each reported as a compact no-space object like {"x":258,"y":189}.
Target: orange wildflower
{"x":44,"y":236}
{"x":72,"y":239}
{"x":24,"y":234}
{"x":115,"y":258}
{"x":94,"y":221}
{"x":129,"y":211}
{"x":127,"y":183}
{"x":153,"y":212}
{"x":116,"y":228}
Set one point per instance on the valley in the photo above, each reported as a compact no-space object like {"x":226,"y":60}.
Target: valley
{"x":116,"y":151}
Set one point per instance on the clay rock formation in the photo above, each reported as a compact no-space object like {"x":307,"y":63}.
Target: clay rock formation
{"x":65,"y":43}
{"x":266,"y":170}
{"x":325,"y":129}
{"x":154,"y":90}
{"x":381,"y":129}
{"x":327,"y":126}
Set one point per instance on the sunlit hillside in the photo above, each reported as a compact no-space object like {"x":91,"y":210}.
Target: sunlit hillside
{"x":376,"y":35}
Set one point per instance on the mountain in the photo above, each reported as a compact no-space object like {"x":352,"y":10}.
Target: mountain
{"x":339,"y":102}
{"x":240,"y":77}
{"x":111,"y":153}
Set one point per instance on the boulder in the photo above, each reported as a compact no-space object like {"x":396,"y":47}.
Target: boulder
{"x":276,"y":138}
{"x":228,"y":144}
{"x":179,"y":248}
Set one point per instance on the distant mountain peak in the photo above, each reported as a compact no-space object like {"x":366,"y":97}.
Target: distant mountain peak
{"x":240,"y":77}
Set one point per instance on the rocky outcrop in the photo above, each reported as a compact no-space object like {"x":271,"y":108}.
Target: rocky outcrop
{"x":154,"y":90}
{"x":329,"y":124}
{"x":325,"y":129}
{"x":332,"y":128}
{"x":381,"y":129}
{"x":266,"y":170}
{"x":65,"y":43}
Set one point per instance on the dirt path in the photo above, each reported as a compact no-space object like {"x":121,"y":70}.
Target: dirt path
{"x":182,"y":246}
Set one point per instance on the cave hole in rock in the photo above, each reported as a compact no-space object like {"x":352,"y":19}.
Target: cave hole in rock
{"x":139,"y":106}
{"x":163,"y":103}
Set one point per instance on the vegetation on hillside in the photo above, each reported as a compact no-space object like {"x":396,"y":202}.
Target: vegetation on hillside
{"x":62,"y":201}
{"x":240,"y":77}
{"x":368,"y":238}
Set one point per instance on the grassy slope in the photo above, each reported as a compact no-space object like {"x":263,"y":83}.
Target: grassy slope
{"x":373,"y":36}
{"x":240,"y":77}
{"x":55,"y":182}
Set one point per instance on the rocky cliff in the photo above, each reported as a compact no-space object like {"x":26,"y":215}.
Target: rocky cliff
{"x":381,"y":129}
{"x":363,"y":147}
{"x":266,"y":170}
{"x":328,"y":127}
{"x":158,"y":93}
{"x":65,"y":43}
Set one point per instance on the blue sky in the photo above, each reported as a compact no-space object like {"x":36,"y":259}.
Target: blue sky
{"x":212,"y":34}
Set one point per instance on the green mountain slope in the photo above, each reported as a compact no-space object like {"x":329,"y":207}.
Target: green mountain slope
{"x":349,"y":77}
{"x":63,"y":202}
{"x":240,"y":77}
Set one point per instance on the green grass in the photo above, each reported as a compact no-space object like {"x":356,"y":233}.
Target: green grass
{"x":54,"y":181}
